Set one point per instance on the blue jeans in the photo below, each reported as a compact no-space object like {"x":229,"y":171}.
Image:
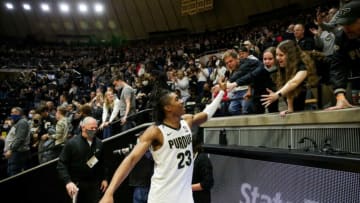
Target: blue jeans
{"x":140,"y":194}
{"x":107,"y":132}
{"x":239,"y":105}
{"x":18,"y":162}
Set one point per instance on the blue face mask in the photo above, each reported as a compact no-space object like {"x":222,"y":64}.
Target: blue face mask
{"x":15,"y":117}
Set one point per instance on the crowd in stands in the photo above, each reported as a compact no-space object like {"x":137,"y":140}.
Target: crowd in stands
{"x":73,"y":82}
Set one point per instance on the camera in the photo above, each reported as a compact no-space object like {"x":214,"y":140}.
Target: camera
{"x":124,"y":151}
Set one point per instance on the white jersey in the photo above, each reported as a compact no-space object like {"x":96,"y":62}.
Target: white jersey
{"x":174,"y":163}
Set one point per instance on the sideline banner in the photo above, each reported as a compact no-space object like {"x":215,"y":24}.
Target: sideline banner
{"x":239,"y":180}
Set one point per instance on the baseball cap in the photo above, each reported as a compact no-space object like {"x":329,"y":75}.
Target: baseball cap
{"x":348,"y":13}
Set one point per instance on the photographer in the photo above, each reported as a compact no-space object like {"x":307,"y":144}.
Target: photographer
{"x":182,"y":83}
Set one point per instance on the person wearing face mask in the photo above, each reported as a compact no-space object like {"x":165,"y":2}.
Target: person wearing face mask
{"x":31,"y":114}
{"x":142,"y":91}
{"x":17,"y":143}
{"x":36,"y":129}
{"x":48,"y":129}
{"x":5,"y":128}
{"x":58,"y":138}
{"x":81,"y":164}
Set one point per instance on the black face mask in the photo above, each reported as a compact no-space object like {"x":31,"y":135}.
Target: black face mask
{"x":91,"y":133}
{"x":36,"y":123}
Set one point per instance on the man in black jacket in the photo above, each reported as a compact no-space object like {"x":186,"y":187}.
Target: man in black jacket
{"x":345,"y":62}
{"x":305,"y":43}
{"x":203,"y":178}
{"x":240,"y":103}
{"x":140,"y":177}
{"x":81,"y":164}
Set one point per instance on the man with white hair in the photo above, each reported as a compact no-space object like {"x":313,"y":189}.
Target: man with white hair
{"x":81,"y":164}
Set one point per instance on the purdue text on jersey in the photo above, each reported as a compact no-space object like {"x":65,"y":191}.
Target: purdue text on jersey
{"x":180,"y":142}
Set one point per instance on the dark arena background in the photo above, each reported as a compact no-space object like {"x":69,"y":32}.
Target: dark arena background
{"x":64,"y":53}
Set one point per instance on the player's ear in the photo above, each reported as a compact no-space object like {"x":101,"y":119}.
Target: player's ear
{"x":167,"y":107}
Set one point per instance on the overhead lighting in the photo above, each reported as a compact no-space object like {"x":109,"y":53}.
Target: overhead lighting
{"x":27,"y":7}
{"x":45,"y":7}
{"x":9,"y":6}
{"x":64,"y":7}
{"x":83,"y":8}
{"x":98,"y":8}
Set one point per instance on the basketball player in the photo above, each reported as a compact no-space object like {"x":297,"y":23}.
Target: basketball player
{"x":170,"y":142}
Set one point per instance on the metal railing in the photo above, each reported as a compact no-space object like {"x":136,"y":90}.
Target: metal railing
{"x":139,"y":118}
{"x":44,"y":178}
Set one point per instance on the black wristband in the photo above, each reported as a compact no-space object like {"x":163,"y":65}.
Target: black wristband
{"x":279,"y":94}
